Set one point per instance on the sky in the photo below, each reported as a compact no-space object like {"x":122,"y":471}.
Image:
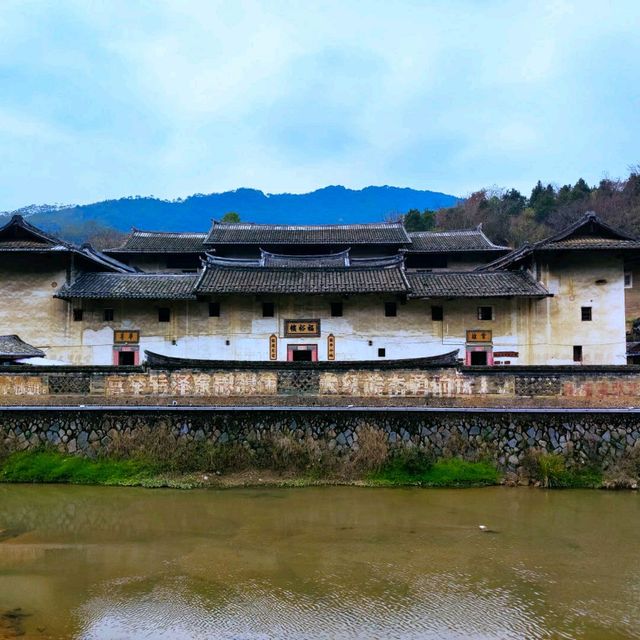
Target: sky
{"x":168,"y":98}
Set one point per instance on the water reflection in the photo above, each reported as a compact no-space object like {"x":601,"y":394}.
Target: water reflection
{"x":320,"y":563}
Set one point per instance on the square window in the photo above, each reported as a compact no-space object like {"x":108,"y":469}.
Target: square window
{"x":214,"y":309}
{"x":77,"y":315}
{"x":268,"y":309}
{"x":628,"y":280}
{"x":164,"y":314}
{"x":390,"y":309}
{"x":577,"y":353}
{"x":585,"y":313}
{"x":437,"y":314}
{"x":336,"y":309}
{"x":107,"y":315}
{"x":382,"y":352}
{"x":485,"y":313}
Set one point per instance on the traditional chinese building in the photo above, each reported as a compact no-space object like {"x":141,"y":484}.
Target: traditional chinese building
{"x":249,"y":292}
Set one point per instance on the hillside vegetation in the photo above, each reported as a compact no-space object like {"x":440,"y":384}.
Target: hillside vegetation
{"x":510,"y":217}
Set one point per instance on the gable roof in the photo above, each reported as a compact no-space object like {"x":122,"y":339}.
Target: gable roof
{"x":139,"y":241}
{"x":19,"y":236}
{"x":452,"y":241}
{"x":474,"y":284}
{"x":379,"y":233}
{"x":588,"y":233}
{"x":13,"y":348}
{"x":130,"y":286}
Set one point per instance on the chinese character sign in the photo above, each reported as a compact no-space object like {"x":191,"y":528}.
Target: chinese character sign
{"x":301,"y":328}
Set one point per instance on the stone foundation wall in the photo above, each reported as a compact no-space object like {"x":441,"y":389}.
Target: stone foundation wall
{"x":503,"y":436}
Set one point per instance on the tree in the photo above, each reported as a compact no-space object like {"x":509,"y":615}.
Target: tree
{"x":416,"y":221}
{"x":230,"y":217}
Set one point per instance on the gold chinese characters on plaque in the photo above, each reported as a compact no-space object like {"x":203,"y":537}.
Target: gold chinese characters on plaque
{"x":126,"y":336}
{"x":273,"y":347}
{"x":331,"y":347}
{"x":302,"y":328}
{"x":479,"y":335}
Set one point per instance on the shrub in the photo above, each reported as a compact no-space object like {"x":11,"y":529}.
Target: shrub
{"x":553,"y":471}
{"x":372,"y":452}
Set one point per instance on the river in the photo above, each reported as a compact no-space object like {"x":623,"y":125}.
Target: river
{"x":334,"y":562}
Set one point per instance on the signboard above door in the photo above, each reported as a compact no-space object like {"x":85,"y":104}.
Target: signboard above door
{"x":126,"y":336}
{"x":479,"y":335}
{"x":302,"y":328}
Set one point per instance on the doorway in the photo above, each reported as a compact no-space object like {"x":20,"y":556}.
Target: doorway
{"x":302,"y":353}
{"x":126,"y":358}
{"x":479,"y":356}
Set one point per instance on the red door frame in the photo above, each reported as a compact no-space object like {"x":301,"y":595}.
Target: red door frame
{"x":487,"y":349}
{"x":302,"y":347}
{"x":118,"y":349}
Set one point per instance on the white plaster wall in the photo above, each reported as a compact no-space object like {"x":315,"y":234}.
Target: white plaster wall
{"x":556,"y":322}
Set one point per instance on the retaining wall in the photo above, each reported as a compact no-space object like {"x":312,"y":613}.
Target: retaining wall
{"x":504,"y":436}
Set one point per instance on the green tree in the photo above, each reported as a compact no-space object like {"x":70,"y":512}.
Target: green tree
{"x":230,"y":217}
{"x":580,"y":190}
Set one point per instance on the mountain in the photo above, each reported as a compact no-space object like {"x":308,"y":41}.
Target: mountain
{"x":329,"y":205}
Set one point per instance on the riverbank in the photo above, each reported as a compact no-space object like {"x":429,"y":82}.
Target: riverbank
{"x":406,"y":468}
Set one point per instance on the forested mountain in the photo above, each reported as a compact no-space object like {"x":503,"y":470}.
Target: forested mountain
{"x":510,"y":217}
{"x":507,"y":215}
{"x":330,"y":205}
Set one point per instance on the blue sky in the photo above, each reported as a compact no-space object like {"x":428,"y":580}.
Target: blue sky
{"x":107,"y":99}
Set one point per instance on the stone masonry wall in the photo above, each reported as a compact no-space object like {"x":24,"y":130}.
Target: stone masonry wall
{"x":504,"y":436}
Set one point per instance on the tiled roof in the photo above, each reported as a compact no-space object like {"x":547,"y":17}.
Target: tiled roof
{"x":133,"y":286}
{"x":161,"y":242}
{"x":587,"y":233}
{"x":279,"y":234}
{"x":20,"y":236}
{"x":451,"y":241}
{"x":12,"y":348}
{"x":312,"y":280}
{"x":340,"y":259}
{"x":474,"y":284}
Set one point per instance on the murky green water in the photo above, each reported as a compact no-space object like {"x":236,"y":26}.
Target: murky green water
{"x":96,"y":562}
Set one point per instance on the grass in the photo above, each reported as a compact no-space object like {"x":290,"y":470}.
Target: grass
{"x":451,"y":472}
{"x":50,"y":466}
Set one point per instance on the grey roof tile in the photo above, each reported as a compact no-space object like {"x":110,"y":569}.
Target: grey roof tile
{"x":474,"y":284}
{"x":132,"y":286}
{"x":345,"y":280}
{"x":12,"y":348}
{"x":279,"y":234}
{"x":161,"y":242}
{"x":451,"y":241}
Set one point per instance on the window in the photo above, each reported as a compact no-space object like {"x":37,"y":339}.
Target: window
{"x":390,"y":309}
{"x":164,"y":314}
{"x":336,"y":309}
{"x":268,"y":309}
{"x":628,"y":280}
{"x":214,"y":309}
{"x":585,"y":314}
{"x":77,"y":315}
{"x":478,"y":359}
{"x":485,"y":313}
{"x":437,"y":314}
{"x":577,"y":353}
{"x":382,"y":352}
{"x":107,"y":315}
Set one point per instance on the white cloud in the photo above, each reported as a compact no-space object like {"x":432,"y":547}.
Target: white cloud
{"x":174,"y":97}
